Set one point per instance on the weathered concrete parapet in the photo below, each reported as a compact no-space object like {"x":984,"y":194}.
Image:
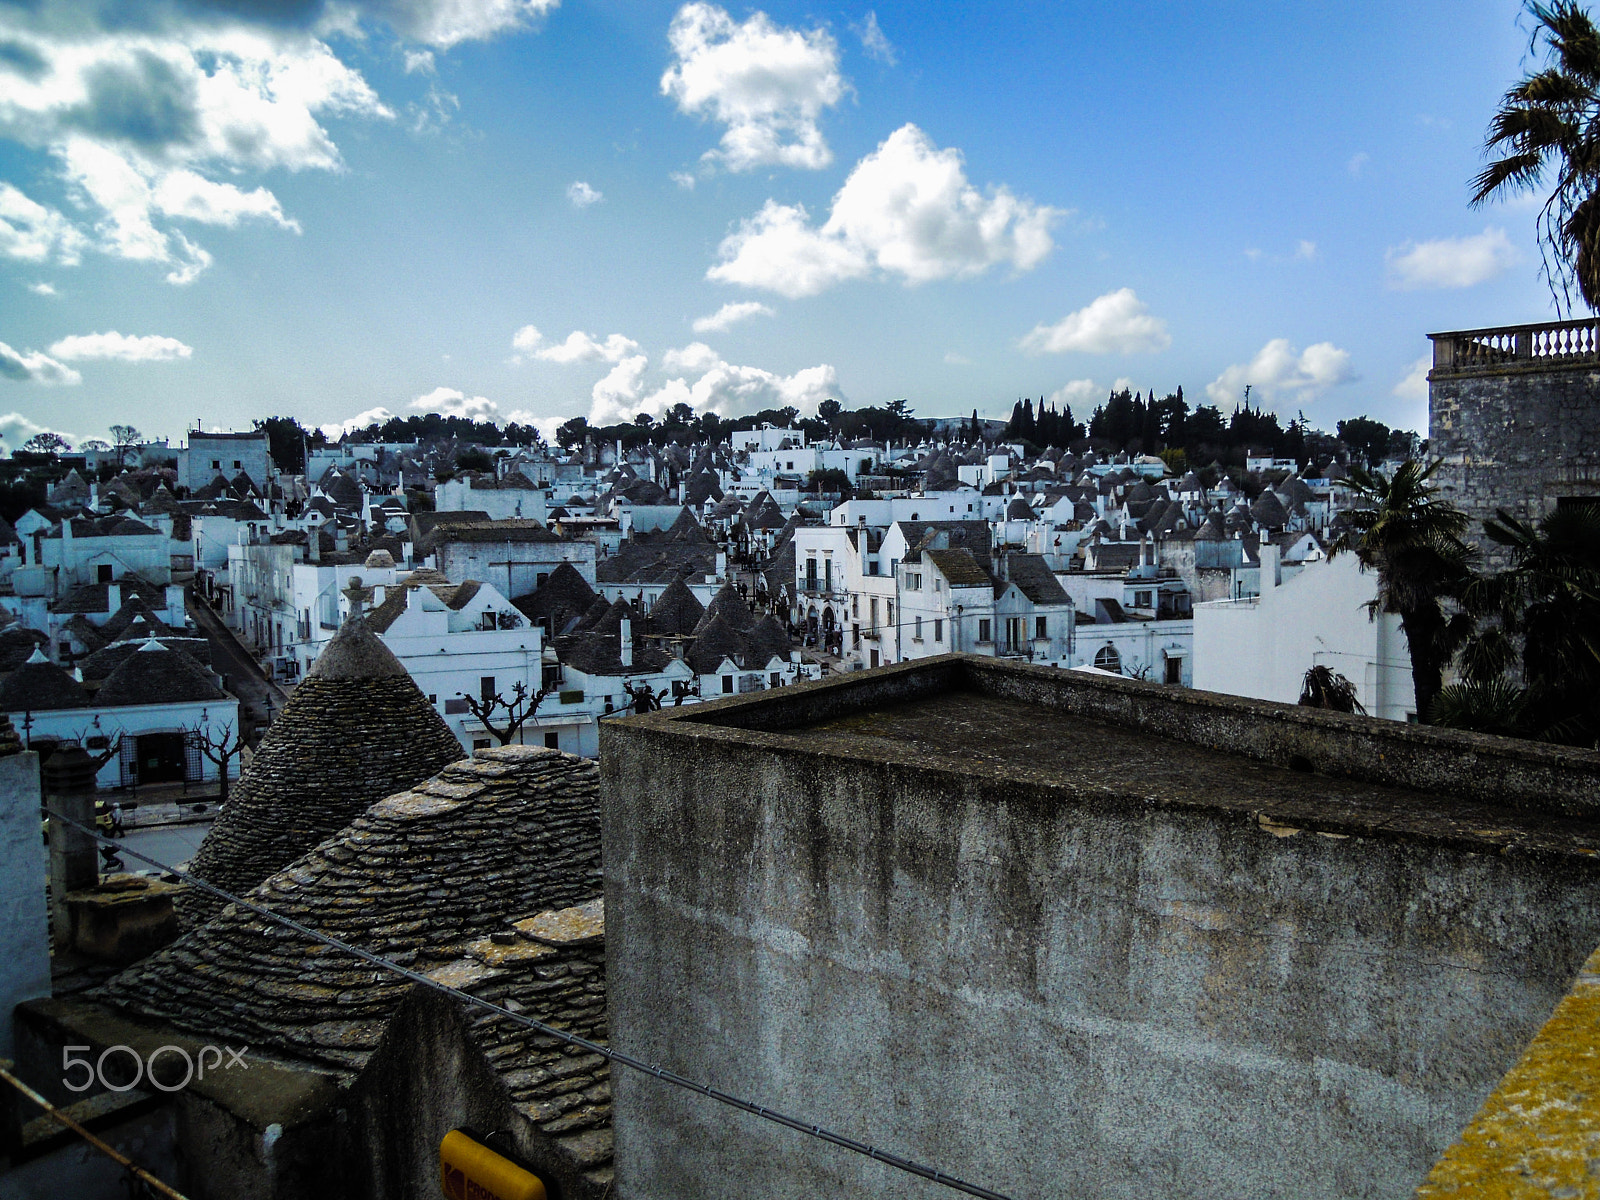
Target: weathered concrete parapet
{"x":1514,"y":412}
{"x":1061,"y":934}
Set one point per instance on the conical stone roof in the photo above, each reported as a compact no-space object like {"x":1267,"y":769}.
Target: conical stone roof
{"x":355,"y":730}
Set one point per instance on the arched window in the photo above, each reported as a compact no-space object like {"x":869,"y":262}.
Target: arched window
{"x":1107,"y":658}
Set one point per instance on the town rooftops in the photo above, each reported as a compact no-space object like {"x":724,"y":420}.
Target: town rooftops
{"x":153,"y":674}
{"x":38,"y":685}
{"x":959,"y":567}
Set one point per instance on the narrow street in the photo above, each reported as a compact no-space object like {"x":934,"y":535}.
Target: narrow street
{"x":259,"y":698}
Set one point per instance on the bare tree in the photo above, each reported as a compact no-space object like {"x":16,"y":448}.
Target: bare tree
{"x":643,"y":699}
{"x":518,"y":710}
{"x":220,"y":749}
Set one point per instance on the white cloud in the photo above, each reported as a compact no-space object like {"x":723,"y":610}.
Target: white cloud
{"x":34,"y":367}
{"x":767,"y":84}
{"x":546,"y":426}
{"x":1414,"y":386}
{"x":1280,"y":374}
{"x":580,"y":347}
{"x":41,"y":289}
{"x":419,"y":60}
{"x":1115,"y":323}
{"x":1451,"y":262}
{"x":716,"y":386}
{"x":582,"y":195}
{"x":1078,"y":395}
{"x":36,"y":233}
{"x":151,"y":348}
{"x":729,"y":315}
{"x":683,"y":179}
{"x":694,"y":359}
{"x":526,"y":339}
{"x":453,"y":403}
{"x":148,"y":124}
{"x":617,"y":396}
{"x":1358,"y":163}
{"x":445,"y":23}
{"x":16,"y":428}
{"x":956,"y":360}
{"x":372,"y":416}
{"x":1305,"y":250}
{"x":183,"y":193}
{"x":872,"y":40}
{"x":907,"y":210}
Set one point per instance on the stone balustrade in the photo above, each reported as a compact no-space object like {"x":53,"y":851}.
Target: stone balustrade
{"x":1508,"y":347}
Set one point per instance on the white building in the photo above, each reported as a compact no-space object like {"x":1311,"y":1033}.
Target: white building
{"x":227,"y":454}
{"x":1263,"y":646}
{"x":511,"y":498}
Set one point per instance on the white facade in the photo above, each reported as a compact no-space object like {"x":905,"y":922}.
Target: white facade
{"x":151,"y":732}
{"x":501,"y":502}
{"x":1263,"y":646}
{"x":227,"y":454}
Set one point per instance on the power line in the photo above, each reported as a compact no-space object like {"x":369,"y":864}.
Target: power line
{"x":907,"y":1165}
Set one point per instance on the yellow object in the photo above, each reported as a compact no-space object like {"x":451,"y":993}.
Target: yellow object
{"x":469,"y":1170}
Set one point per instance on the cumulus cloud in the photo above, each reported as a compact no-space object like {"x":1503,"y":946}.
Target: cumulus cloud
{"x":34,"y":367}
{"x":114,"y":345}
{"x":16,"y":429}
{"x":905,"y":210}
{"x":35,"y":232}
{"x":372,"y":416}
{"x":1077,"y":395}
{"x":41,"y":289}
{"x":1414,"y":384}
{"x":582,"y":195}
{"x":580,"y":347}
{"x":683,"y":179}
{"x":1451,"y":262}
{"x":453,"y":403}
{"x":707,"y":384}
{"x":956,"y":360}
{"x":526,"y":339}
{"x":766,"y":84}
{"x":153,"y":125}
{"x":729,"y":315}
{"x":872,"y":40}
{"x":1280,"y":374}
{"x":1116,"y":323}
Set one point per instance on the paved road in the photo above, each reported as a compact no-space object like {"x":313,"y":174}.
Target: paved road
{"x":240,"y":672}
{"x":172,"y":845}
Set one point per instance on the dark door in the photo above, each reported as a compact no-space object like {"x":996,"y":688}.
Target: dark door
{"x":162,"y":758}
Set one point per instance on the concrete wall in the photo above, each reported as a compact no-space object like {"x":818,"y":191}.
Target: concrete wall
{"x":24,"y":923}
{"x":1263,"y":647}
{"x":1047,"y":985}
{"x":1515,"y":438}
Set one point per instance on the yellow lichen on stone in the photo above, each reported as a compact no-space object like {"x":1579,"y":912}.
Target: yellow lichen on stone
{"x":576,"y":926}
{"x":1538,"y":1134}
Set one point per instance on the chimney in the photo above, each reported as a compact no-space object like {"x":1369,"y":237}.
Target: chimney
{"x":341,"y":539}
{"x":113,"y":597}
{"x":1144,"y":550}
{"x":625,"y":649}
{"x":313,"y":544}
{"x":722,"y":563}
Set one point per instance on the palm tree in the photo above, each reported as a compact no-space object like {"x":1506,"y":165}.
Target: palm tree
{"x":1323,"y":687}
{"x":1540,"y":622}
{"x":1551,"y":122}
{"x":1413,"y":540}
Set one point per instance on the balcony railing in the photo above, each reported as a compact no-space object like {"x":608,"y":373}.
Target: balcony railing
{"x":1555,"y":343}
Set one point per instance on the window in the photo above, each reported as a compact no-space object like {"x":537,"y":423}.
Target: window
{"x":549,"y":677}
{"x":486,"y":687}
{"x":1141,"y":599}
{"x":552,"y":741}
{"x":872,"y":612}
{"x":102,"y":573}
{"x":855,"y":637}
{"x":1041,"y":628}
{"x":889,"y":608}
{"x":727,"y":685}
{"x":216,"y":464}
{"x":237,"y":464}
{"x":983,"y":629}
{"x":1107,"y":658}
{"x":434,"y":700}
{"x":777,"y":679}
{"x":872,"y":567}
{"x":538,"y":579}
{"x":811,"y":574}
{"x":827,"y":574}
{"x":913,"y":581}
{"x":1014,"y":628}
{"x":455,"y":706}
{"x":938,"y":629}
{"x":480,"y":743}
{"x":1174,"y":671}
{"x":855,"y":606}
{"x":916,"y":629}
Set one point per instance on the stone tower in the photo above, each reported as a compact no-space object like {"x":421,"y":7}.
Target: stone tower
{"x":355,"y":730}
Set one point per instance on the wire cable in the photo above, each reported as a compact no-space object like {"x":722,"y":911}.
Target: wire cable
{"x":808,"y":1128}
{"x":121,"y":1160}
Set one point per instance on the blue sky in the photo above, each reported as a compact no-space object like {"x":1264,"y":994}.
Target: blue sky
{"x":531,"y":210}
